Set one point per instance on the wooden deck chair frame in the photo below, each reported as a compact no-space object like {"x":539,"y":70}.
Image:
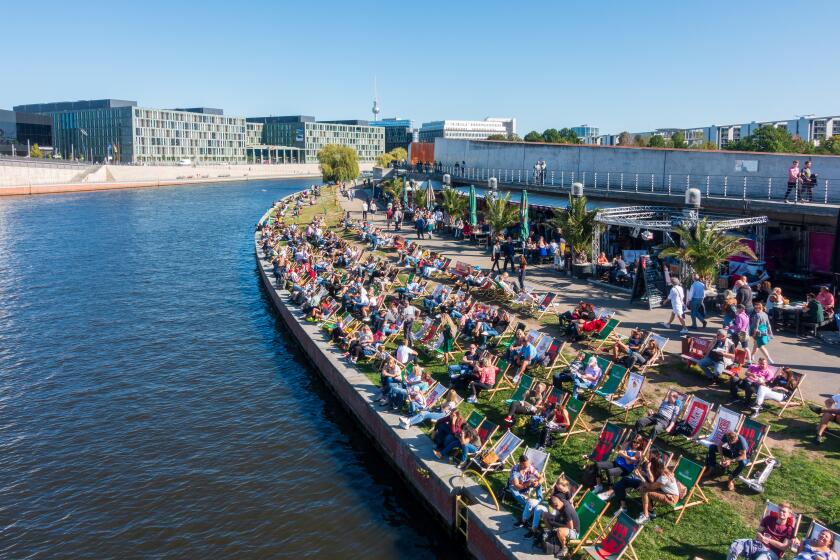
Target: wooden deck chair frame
{"x":796,"y":397}
{"x":504,"y":448}
{"x":634,"y":383}
{"x":611,"y":383}
{"x":759,"y":453}
{"x":717,"y":432}
{"x":662,"y":342}
{"x":698,"y":348}
{"x":694,"y":495}
{"x":549,"y":302}
{"x":526,"y":382}
{"x":610,"y":437}
{"x":701,"y":410}
{"x":611,"y":540}
{"x":578,"y":424}
{"x":597,"y":341}
{"x":556,"y":361}
{"x":596,"y":507}
{"x":770,"y":508}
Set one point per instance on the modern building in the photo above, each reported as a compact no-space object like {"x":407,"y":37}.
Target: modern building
{"x":467,"y":130}
{"x":308,"y":135}
{"x":399,"y":133}
{"x":587,"y":134}
{"x":119,"y":131}
{"x":19,"y":131}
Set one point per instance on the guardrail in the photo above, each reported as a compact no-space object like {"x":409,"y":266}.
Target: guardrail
{"x":825,"y":191}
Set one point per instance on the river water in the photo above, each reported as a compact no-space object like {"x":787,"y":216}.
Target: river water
{"x":151,"y":404}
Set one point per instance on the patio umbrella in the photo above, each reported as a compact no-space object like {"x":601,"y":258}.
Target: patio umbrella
{"x":406,"y":187}
{"x":473,"y":213}
{"x":430,"y":195}
{"x":523,"y":217}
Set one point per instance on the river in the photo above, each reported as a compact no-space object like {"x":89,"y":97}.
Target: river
{"x":151,"y":404}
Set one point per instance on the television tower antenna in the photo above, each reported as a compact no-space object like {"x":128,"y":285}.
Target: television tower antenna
{"x":375,"y":108}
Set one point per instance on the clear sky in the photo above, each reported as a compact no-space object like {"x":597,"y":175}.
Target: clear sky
{"x":618,"y":65}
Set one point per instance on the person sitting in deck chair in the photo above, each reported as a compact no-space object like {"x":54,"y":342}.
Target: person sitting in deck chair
{"x":556,"y":421}
{"x":828,"y":414}
{"x":734,"y":450}
{"x":577,"y":329}
{"x":633,"y":344}
{"x":467,"y":364}
{"x":665,"y":489}
{"x":535,"y":509}
{"x":562,"y":525}
{"x":521,"y":356}
{"x":758,"y":375}
{"x":583,"y":310}
{"x":524,"y":477}
{"x":819,"y":548}
{"x":775,"y":533}
{"x":664,"y":419}
{"x":529,"y":405}
{"x":625,"y":462}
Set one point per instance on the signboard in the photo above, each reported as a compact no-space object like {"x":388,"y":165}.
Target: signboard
{"x":649,"y":284}
{"x":746,"y":166}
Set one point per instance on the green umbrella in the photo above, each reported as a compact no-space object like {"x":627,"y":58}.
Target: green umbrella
{"x":430,"y":195}
{"x":473,"y":214}
{"x":523,"y":217}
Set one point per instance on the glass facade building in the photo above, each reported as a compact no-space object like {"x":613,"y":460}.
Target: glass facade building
{"x":18,"y":129}
{"x":310,"y":136}
{"x":399,"y":133}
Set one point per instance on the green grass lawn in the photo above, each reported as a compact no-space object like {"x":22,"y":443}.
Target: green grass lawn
{"x":807,"y":476}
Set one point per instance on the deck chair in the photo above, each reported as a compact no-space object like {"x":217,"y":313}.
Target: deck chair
{"x":547,"y":304}
{"x":552,"y":357}
{"x":496,"y":456}
{"x":632,"y":396}
{"x":556,"y":397}
{"x":756,"y":435}
{"x":433,"y":394}
{"x":795,"y":398}
{"x":818,"y":527}
{"x":689,"y":474}
{"x":537,"y":458}
{"x":612,"y":383}
{"x":486,"y":430}
{"x":474,"y":420}
{"x":773,"y":510}
{"x":603,"y":337}
{"x":611,"y":434}
{"x":577,"y":423}
{"x":590,"y":510}
{"x":661,"y":342}
{"x":545,"y":342}
{"x":525,"y":383}
{"x":619,"y":540}
{"x":726,"y":421}
{"x":737,"y":366}
{"x":697,"y":412}
{"x":698,"y":348}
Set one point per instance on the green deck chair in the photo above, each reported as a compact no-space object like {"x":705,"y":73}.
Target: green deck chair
{"x":610,"y":387}
{"x":689,"y":474}
{"x":590,"y":510}
{"x":525,"y":383}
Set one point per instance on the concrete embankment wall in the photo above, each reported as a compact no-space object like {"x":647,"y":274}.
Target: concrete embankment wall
{"x":18,"y":179}
{"x":490,"y":533}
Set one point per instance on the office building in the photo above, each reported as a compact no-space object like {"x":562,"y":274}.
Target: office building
{"x":467,"y":130}
{"x":308,"y":135}
{"x":587,"y":134}
{"x":399,"y":133}
{"x":20,"y":130}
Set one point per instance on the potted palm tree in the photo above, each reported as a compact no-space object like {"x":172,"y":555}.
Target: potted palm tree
{"x":577,"y":225}
{"x":704,"y":248}
{"x":394,"y":188}
{"x":453,"y":204}
{"x":499,"y":213}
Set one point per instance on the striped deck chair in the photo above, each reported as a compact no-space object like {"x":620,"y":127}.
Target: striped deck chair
{"x":757,"y":451}
{"x":726,"y":421}
{"x":632,"y":396}
{"x":495,"y":457}
{"x":618,"y":541}
{"x":590,"y":510}
{"x":605,"y":336}
{"x":610,"y":436}
{"x":611,"y":384}
{"x":577,"y":423}
{"x":525,"y":383}
{"x":331,"y":322}
{"x":547,"y":304}
{"x":689,"y":474}
{"x":817,"y":527}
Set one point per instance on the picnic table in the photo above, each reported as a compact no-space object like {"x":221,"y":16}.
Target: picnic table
{"x":791,"y":314}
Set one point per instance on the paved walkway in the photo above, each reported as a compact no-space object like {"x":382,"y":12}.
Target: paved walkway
{"x":818,"y":359}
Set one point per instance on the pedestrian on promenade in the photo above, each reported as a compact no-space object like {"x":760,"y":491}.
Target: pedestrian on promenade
{"x":389,"y":215}
{"x":793,"y":181}
{"x":398,"y":218}
{"x":677,"y":298}
{"x":495,"y":256}
{"x":696,"y":294}
{"x":420,"y":225}
{"x":761,"y":330}
{"x":522,"y":262}
{"x":507,"y":251}
{"x":364,"y":210}
{"x":807,"y":179}
{"x":373,"y":207}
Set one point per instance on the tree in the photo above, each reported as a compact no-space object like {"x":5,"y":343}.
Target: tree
{"x":624,"y":139}
{"x":505,"y":137}
{"x":577,"y":225}
{"x":35,"y":151}
{"x":552,"y":136}
{"x":384,"y":160}
{"x":657,"y":141}
{"x":399,"y":154}
{"x":453,"y":203}
{"x":394,"y":188}
{"x":418,"y":196}
{"x":831,"y":145}
{"x":500,"y":213}
{"x":678,"y":140}
{"x":568,"y":136}
{"x":770,"y":138}
{"x":703,"y":248}
{"x":705,"y":145}
{"x":640,"y":141}
{"x":338,"y":163}
{"x":533,"y":136}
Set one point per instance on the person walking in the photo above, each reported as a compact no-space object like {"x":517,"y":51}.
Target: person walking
{"x":793,"y":181}
{"x":696,"y":295}
{"x":420,"y":225}
{"x":495,"y":256}
{"x":807,"y":180}
{"x":762,"y":331}
{"x":522,"y":263}
{"x":677,"y":298}
{"x":398,"y":218}
{"x":508,"y":251}
{"x":364,"y":210}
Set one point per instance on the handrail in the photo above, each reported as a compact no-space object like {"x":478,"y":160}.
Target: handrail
{"x":484,"y":481}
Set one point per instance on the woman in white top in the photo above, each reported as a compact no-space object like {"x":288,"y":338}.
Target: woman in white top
{"x":677,"y":298}
{"x":450,"y":404}
{"x":665,"y":489}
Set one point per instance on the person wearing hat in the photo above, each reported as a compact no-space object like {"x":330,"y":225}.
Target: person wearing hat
{"x":719,"y":356}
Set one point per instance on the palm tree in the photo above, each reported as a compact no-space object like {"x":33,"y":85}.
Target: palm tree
{"x":394,"y":188}
{"x":703,"y":248}
{"x":418,"y":195}
{"x":453,"y":203}
{"x":500,"y":213}
{"x":577,"y":225}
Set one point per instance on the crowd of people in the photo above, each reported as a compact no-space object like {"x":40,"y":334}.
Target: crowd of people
{"x":404,"y":315}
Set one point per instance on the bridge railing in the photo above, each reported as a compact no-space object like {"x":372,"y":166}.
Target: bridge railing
{"x":740,"y":187}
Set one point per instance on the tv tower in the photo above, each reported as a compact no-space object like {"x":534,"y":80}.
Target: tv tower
{"x":375,"y":108}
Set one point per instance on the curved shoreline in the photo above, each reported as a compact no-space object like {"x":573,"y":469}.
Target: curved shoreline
{"x":437,"y":484}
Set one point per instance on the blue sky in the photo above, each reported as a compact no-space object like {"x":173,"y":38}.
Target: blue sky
{"x":616,"y":65}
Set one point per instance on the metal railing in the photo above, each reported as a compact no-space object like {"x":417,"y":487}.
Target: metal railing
{"x":740,"y":187}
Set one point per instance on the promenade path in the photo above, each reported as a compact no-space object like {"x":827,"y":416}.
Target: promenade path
{"x":820,"y":360}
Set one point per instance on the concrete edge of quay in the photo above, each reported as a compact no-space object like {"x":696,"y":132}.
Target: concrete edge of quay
{"x":490,"y":533}
{"x":60,"y":188}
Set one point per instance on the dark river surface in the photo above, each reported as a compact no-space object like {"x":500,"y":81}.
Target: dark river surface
{"x":151,"y":404}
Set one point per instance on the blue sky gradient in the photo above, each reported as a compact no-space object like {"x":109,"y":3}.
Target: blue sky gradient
{"x":616,"y":65}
